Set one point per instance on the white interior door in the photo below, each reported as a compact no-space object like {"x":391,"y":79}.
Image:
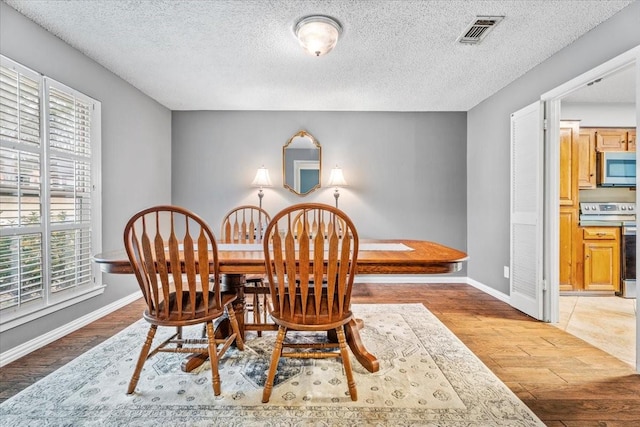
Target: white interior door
{"x":527,"y":150}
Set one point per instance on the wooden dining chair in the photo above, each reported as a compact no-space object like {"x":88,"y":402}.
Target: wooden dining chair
{"x":174,"y":256}
{"x":246,"y":225}
{"x":310,"y":277}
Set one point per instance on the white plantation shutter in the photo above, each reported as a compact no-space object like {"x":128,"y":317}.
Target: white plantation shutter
{"x":21,"y":153}
{"x":20,"y":105}
{"x":49,"y":192}
{"x":69,"y":137}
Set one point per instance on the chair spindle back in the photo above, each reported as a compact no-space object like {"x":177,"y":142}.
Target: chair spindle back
{"x":310,"y":254}
{"x":244,"y":224}
{"x":174,"y":256}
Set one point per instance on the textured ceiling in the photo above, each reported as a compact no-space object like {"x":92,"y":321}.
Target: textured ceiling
{"x":242,"y":55}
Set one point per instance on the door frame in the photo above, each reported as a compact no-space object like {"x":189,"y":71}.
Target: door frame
{"x":552,"y":100}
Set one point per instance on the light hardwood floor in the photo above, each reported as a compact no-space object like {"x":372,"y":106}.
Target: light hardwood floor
{"x":563,"y":379}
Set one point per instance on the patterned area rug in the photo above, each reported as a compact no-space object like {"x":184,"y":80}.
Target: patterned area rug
{"x":427,"y":377}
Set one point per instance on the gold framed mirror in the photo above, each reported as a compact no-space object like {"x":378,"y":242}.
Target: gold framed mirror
{"x":301,"y":163}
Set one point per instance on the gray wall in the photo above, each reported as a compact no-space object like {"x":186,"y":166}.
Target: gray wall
{"x":136,"y":149}
{"x":488,"y":140}
{"x":618,"y":114}
{"x":406,"y":171}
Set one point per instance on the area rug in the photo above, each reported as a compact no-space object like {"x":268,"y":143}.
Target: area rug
{"x":427,"y":377}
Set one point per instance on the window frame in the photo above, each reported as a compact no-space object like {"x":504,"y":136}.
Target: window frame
{"x":51,"y":301}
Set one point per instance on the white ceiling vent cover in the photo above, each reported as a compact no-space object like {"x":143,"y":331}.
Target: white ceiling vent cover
{"x":478,"y":29}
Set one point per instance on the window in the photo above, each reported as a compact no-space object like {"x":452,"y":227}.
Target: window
{"x":49,"y":195}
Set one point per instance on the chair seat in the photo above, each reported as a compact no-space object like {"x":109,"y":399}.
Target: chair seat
{"x":189,"y":315}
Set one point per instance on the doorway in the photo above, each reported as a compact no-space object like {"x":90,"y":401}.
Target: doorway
{"x":555,"y":100}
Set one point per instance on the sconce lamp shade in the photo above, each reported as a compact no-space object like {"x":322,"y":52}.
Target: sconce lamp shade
{"x":262,"y":178}
{"x":336,"y":179}
{"x":318,"y":34}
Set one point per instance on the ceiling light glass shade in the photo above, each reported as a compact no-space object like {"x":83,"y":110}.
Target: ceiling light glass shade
{"x":336,"y":179}
{"x":318,"y":34}
{"x":262,"y":178}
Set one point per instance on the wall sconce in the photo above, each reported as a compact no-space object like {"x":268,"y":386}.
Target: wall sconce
{"x":336,"y":179}
{"x":261,"y":180}
{"x":318,"y":34}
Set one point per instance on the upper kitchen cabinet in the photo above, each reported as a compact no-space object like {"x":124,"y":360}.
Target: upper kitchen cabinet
{"x":615,"y":139}
{"x":569,"y":133}
{"x":586,"y":159}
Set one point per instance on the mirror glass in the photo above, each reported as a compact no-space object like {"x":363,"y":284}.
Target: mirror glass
{"x":301,"y":160}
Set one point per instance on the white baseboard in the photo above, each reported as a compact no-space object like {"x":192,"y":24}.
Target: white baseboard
{"x":26,"y":348}
{"x":487,"y":290}
{"x":34,"y":344}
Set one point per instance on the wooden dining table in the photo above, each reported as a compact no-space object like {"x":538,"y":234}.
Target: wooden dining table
{"x":392,"y":257}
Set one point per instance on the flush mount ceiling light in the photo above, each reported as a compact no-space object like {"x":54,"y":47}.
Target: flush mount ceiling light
{"x":318,"y":34}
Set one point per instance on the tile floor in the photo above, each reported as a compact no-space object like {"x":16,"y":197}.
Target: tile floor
{"x":606,"y":322}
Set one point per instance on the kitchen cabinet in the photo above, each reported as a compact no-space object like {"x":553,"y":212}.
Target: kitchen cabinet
{"x":610,"y":139}
{"x":601,"y":251}
{"x":569,"y":268}
{"x":569,"y":133}
{"x":589,"y":256}
{"x":570,"y":241}
{"x":586,"y":153}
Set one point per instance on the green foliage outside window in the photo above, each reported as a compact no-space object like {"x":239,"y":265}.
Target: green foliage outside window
{"x":21,"y":277}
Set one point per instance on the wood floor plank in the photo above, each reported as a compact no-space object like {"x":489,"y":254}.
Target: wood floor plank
{"x":563,"y":379}
{"x":593,"y":390}
{"x":601,"y":410}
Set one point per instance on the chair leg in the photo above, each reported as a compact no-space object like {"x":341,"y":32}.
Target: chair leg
{"x":267,"y":307}
{"x":213,"y":358}
{"x":235,"y":327}
{"x":273,"y":366}
{"x":346,"y":362}
{"x":144,"y":352}
{"x":179,"y":335}
{"x":257,"y":318}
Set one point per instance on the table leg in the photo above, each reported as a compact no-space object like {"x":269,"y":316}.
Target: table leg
{"x":234,"y":283}
{"x":366,"y":359}
{"x":230,"y":283}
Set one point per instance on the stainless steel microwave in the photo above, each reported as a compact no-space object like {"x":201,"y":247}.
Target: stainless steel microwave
{"x":616,"y":169}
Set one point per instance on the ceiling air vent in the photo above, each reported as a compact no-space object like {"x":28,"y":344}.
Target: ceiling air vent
{"x":478,"y":29}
